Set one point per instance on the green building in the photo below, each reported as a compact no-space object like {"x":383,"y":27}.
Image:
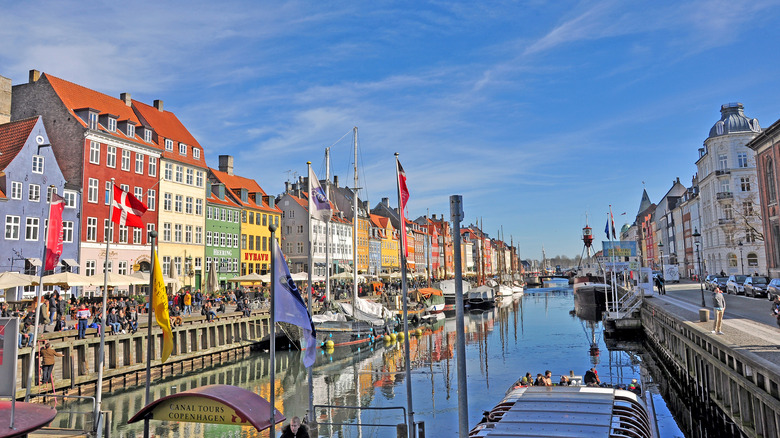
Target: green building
{"x":223,"y":228}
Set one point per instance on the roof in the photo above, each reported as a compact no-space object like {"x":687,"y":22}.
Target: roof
{"x":226,"y":202}
{"x":13,"y":136}
{"x":76,"y":97}
{"x":236,"y":183}
{"x":733,"y":120}
{"x":167,"y":125}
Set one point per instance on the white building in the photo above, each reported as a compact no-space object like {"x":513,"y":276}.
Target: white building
{"x":729,"y":201}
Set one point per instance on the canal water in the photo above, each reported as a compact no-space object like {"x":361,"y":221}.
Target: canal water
{"x":532,"y":333}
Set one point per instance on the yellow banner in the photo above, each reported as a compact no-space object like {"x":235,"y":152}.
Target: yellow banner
{"x":197,"y":410}
{"x":160,"y":306}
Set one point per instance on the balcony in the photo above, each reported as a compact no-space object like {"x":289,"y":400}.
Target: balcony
{"x":724,"y":195}
{"x":726,"y":221}
{"x":722,"y":172}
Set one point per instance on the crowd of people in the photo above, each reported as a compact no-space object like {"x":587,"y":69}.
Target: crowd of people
{"x":591,"y":378}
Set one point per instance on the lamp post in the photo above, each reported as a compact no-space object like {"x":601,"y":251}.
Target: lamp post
{"x":741,"y":263}
{"x":661,"y":250}
{"x":187,"y":269}
{"x":696,"y":237}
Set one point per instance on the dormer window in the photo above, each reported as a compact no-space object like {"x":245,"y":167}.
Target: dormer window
{"x":148,"y":135}
{"x":112,"y":124}
{"x":37,"y":164}
{"x":196,"y":153}
{"x":169,"y":145}
{"x":182,"y":149}
{"x":131,"y":130}
{"x":93,"y":120}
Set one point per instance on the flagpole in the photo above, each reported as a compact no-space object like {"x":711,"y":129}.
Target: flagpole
{"x":38,"y":298}
{"x":309,"y":293}
{"x":407,"y":364}
{"x":148,"y":397}
{"x":272,"y":334}
{"x":456,"y":214}
{"x":327,"y":226}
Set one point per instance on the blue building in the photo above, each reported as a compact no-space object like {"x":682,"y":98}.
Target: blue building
{"x":29,"y":174}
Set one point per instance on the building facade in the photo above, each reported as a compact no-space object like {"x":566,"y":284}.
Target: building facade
{"x":767,"y":148}
{"x":223,"y":231}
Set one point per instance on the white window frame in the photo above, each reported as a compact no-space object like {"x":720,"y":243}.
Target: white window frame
{"x":92,"y":191}
{"x":167,"y":232}
{"x":93,"y":120}
{"x":126,"y":160}
{"x":188,"y":205}
{"x":177,"y":233}
{"x":198,"y":235}
{"x":208,"y":238}
{"x":168,"y":172}
{"x":167,"y":201}
{"x":91,"y":229}
{"x":182,"y":149}
{"x":151,"y":199}
{"x":67,"y":231}
{"x":94,"y":152}
{"x":196,"y":153}
{"x":137,"y":236}
{"x":168,"y":145}
{"x":12,"y":226}
{"x":147,"y":135}
{"x":31,"y":229}
{"x":198,"y":207}
{"x":139,"y":163}
{"x":178,"y":202}
{"x":130,"y":130}
{"x":16,"y":189}
{"x":34,"y":193}
{"x":89,"y":267}
{"x":199,"y":179}
{"x":110,"y":156}
{"x":111,"y":124}
{"x":70,"y":198}
{"x":152,"y":166}
{"x":49,"y":192}
{"x":37,"y":164}
{"x":178,"y":174}
{"x":188,"y":234}
{"x":190,"y":177}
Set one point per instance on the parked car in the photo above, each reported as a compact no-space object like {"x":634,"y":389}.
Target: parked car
{"x":773,"y":289}
{"x":708,"y":282}
{"x":735,"y":284}
{"x":719,"y":282}
{"x":755,"y":286}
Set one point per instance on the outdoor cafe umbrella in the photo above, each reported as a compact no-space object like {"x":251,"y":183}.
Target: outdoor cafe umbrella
{"x":10,"y":280}
{"x":68,"y":280}
{"x":211,"y":286}
{"x":115,"y":280}
{"x":145,"y":277}
{"x":253,"y":278}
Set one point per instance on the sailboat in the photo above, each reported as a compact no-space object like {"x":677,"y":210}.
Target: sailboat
{"x":361,"y":321}
{"x":482,"y":296}
{"x":590,"y":287}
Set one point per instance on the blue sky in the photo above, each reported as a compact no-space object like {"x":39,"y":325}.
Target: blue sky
{"x":537,"y":112}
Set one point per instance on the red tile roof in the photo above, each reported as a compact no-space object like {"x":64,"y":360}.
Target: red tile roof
{"x":235,"y":183}
{"x":12,"y":138}
{"x":167,"y":125}
{"x":76,"y":97}
{"x":226,"y":202}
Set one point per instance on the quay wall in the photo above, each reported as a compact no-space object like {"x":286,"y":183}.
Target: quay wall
{"x":197,"y":344}
{"x":740,"y":380}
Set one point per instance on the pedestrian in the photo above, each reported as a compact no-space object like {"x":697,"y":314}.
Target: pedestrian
{"x":659,"y":283}
{"x":82,"y":315}
{"x":48,"y":356}
{"x":295,"y":429}
{"x":719,"y":302}
{"x":592,"y":377}
{"x":188,"y":303}
{"x":776,"y":309}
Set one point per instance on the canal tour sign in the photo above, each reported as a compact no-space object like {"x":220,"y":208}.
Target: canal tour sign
{"x":216,"y":404}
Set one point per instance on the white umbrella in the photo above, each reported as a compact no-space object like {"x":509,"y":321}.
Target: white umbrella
{"x":116,"y":280}
{"x":145,"y":277}
{"x":68,"y":280}
{"x":253,"y":277}
{"x":211,"y":285}
{"x":300,"y":276}
{"x":15,"y":279}
{"x":342,"y":276}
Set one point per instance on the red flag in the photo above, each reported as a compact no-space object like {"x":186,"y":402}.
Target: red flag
{"x":403,"y":194}
{"x":54,"y":236}
{"x":127,"y":210}
{"x":612,"y":218}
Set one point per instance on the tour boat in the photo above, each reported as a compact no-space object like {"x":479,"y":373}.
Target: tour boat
{"x":581,"y":411}
{"x":555,"y":282}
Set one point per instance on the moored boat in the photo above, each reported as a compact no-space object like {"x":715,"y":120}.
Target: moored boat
{"x":481,"y":297}
{"x":555,"y":282}
{"x":432,"y":299}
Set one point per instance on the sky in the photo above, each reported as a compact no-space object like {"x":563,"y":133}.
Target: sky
{"x":539,"y":113}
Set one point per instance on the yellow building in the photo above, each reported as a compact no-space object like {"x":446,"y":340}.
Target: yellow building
{"x":258,"y":211}
{"x":389,"y":243}
{"x":181,"y":220}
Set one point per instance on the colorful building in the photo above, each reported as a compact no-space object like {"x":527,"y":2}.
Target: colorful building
{"x":223,"y":231}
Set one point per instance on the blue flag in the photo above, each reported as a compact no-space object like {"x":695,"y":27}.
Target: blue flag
{"x":606,"y":229}
{"x":289,"y":306}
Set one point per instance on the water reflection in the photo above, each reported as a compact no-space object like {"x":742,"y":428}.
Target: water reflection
{"x":530,"y":334}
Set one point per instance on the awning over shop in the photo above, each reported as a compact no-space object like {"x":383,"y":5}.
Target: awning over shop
{"x":72,"y":263}
{"x":35,"y":261}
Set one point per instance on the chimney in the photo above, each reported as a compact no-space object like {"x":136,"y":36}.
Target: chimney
{"x":336,"y":181}
{"x":125,"y":97}
{"x":158,"y":104}
{"x":287,"y":187}
{"x":386,"y":201}
{"x":34,"y":76}
{"x":225,"y":163}
{"x":433,"y":216}
{"x":5,"y":100}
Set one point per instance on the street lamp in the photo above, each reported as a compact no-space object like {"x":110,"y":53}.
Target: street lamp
{"x":661,"y":250}
{"x":696,"y":237}
{"x":188,"y":268}
{"x":741,"y":263}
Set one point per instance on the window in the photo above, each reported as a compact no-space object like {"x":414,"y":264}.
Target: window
{"x":182,"y":149}
{"x":251,"y":243}
{"x":12,"y":227}
{"x":188,"y":205}
{"x":243,"y":241}
{"x":130,"y":130}
{"x":196,"y":153}
{"x":107,"y":197}
{"x":34,"y":193}
{"x":300,"y":247}
{"x":199,"y":207}
{"x":179,"y":174}
{"x":770,"y":181}
{"x":169,"y":145}
{"x":208,"y":238}
{"x":745,"y":183}
{"x":49,"y":192}
{"x":108,"y":230}
{"x":92,"y":191}
{"x":89,"y":268}
{"x":167,"y":201}
{"x":199,"y":179}
{"x":138,"y":192}
{"x":94,"y":152}
{"x":111,"y":124}
{"x":251,"y":217}
{"x":177,"y":204}
{"x":123,"y":234}
{"x":167,"y":232}
{"x":139,"y":163}
{"x":91,"y":229}
{"x":190,"y":173}
{"x":243,"y":216}
{"x":722,"y":162}
{"x":725,"y":186}
{"x":126,"y":160}
{"x":31,"y":228}
{"x":149,"y":228}
{"x":747,"y":208}
{"x":188,"y":234}
{"x":166,"y":264}
{"x":209,"y":212}
{"x":223,"y":242}
{"x":148,"y":135}
{"x":222,"y":214}
{"x":198,"y":235}
{"x":265,"y":243}
{"x":168,"y":172}
{"x":300,"y":229}
{"x":122,"y":267}
{"x":742,"y":159}
{"x":752,"y":259}
{"x":67,"y":231}
{"x":732,"y":258}
{"x":152,"y":166}
{"x":728,"y":212}
{"x":93,"y":120}
{"x":16,"y":190}
{"x":137,"y":236}
{"x":37,"y":163}
{"x":111,"y":156}
{"x":265,"y":219}
{"x":177,"y":233}
{"x":151,"y":199}
{"x":198,"y":262}
{"x":235,"y":241}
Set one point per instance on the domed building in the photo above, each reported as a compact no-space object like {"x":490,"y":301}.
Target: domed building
{"x":730,"y":208}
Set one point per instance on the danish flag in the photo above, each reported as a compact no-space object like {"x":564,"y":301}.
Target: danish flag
{"x":127,"y":210}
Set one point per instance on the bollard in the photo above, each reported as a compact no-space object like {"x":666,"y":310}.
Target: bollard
{"x":704,"y":315}
{"x":400,"y":430}
{"x":420,"y":429}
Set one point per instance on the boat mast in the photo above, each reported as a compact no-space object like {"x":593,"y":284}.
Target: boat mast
{"x":444,"y":245}
{"x":327,"y":225}
{"x":428,"y":238}
{"x":354,"y":224}
{"x":482,"y":250}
